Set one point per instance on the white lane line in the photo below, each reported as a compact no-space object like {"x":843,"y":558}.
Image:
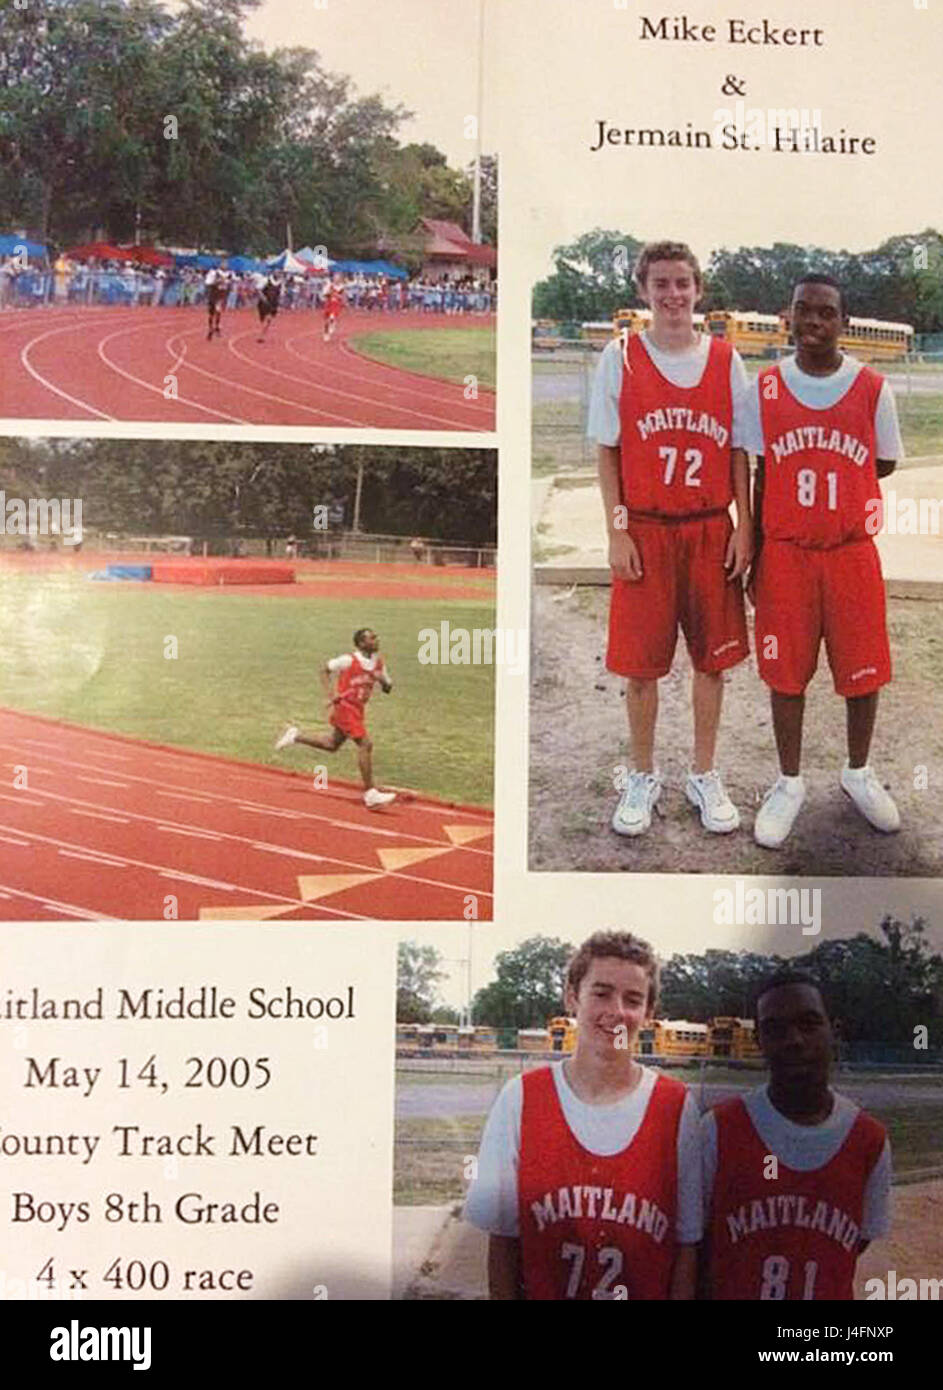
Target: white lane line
{"x":325,"y":417}
{"x":103,"y":782}
{"x":166,"y":870}
{"x":37,"y":376}
{"x":159,"y":390}
{"x":99,"y":815}
{"x":189,"y":833}
{"x":70,"y":908}
{"x":361,"y":827}
{"x":94,"y":858}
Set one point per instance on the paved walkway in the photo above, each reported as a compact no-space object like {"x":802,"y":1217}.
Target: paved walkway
{"x":452,"y":1264}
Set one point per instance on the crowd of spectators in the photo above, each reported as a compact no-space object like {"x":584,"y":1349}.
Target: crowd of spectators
{"x":111,"y":282}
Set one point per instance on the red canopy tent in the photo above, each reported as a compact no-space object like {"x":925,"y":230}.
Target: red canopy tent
{"x":101,"y":250}
{"x":148,"y":255}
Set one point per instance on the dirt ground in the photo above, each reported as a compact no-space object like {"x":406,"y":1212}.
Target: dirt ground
{"x":578,"y":736}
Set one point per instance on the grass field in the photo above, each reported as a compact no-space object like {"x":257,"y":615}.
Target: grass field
{"x":93,"y":654}
{"x":451,"y":354}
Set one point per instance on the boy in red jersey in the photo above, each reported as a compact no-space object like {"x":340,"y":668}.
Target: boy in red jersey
{"x":333,"y":303}
{"x":348,"y":684}
{"x":796,"y":1177}
{"x":666,"y":415}
{"x":588,"y":1180}
{"x":825,"y":429}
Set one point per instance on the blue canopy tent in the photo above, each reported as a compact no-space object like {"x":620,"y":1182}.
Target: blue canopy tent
{"x":13,"y":245}
{"x":201,"y":261}
{"x":392,"y":272}
{"x":246,"y":265}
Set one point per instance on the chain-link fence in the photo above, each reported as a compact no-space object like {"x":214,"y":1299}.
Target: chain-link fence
{"x":562,"y":380}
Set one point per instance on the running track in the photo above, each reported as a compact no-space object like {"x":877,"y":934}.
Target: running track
{"x":77,"y":363}
{"x":110,"y":827}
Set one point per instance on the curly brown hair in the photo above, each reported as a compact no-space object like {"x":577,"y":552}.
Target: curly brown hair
{"x":665,"y":251}
{"x":624,"y":946}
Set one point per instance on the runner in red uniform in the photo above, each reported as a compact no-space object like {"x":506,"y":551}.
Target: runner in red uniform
{"x":665,"y":414}
{"x":588,"y":1180}
{"x":348,"y":683}
{"x":796,"y":1177}
{"x":824,"y":429}
{"x":333,"y":303}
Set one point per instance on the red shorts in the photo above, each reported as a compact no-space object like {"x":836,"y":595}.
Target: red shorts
{"x":684,"y":585}
{"x":349,"y":719}
{"x":803,"y":595}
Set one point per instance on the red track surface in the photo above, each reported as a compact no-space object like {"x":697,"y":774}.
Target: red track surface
{"x":314,"y":578}
{"x":111,"y":827}
{"x":79,"y":363}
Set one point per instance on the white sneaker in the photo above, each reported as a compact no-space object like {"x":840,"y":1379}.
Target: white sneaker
{"x":633,"y":815}
{"x":373,"y":798}
{"x":706,"y":791}
{"x":781,"y":804}
{"x":872,"y":800}
{"x":289,"y":736}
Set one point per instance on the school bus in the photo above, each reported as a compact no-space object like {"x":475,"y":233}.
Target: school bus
{"x":874,"y":340}
{"x":545,"y":334}
{"x":477,"y":1039}
{"x":533,"y":1040}
{"x":751,"y":333}
{"x":679,"y":1038}
{"x":562,"y":1034}
{"x":637,"y":319}
{"x":733,"y":1037}
{"x":768,"y":335}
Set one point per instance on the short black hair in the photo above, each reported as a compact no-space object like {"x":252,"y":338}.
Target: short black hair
{"x":817,"y":278}
{"x":360,"y":634}
{"x":785,"y":976}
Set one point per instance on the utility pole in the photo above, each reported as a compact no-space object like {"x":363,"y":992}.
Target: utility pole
{"x":476,"y":199}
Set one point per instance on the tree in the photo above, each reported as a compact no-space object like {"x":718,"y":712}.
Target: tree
{"x":529,"y":987}
{"x":716,"y":984}
{"x":418,"y":975}
{"x":119,"y":116}
{"x":592,"y":278}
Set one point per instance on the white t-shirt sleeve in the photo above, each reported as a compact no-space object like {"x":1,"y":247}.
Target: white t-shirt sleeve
{"x":708,"y":1137}
{"x":690,"y":1216}
{"x":739,"y":391}
{"x":491,"y":1204}
{"x":603,"y":423}
{"x":751,"y":425}
{"x":876,"y":1215}
{"x":340,"y":663}
{"x":887,"y":441}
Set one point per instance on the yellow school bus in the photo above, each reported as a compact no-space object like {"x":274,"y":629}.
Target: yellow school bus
{"x":751,"y":333}
{"x":562,"y":1034}
{"x":734,"y":1037}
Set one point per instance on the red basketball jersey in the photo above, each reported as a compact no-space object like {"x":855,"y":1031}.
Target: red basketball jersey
{"x":794,"y":1236}
{"x":355,"y":682}
{"x":675,"y":441}
{"x":821,"y":483}
{"x":592,"y":1226}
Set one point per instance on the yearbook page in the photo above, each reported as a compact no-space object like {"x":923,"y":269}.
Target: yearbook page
{"x":470,"y":582}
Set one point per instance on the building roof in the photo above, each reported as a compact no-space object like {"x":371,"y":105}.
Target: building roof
{"x":451,"y":240}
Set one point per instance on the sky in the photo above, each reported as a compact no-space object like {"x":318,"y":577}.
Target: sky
{"x":421,"y":54}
